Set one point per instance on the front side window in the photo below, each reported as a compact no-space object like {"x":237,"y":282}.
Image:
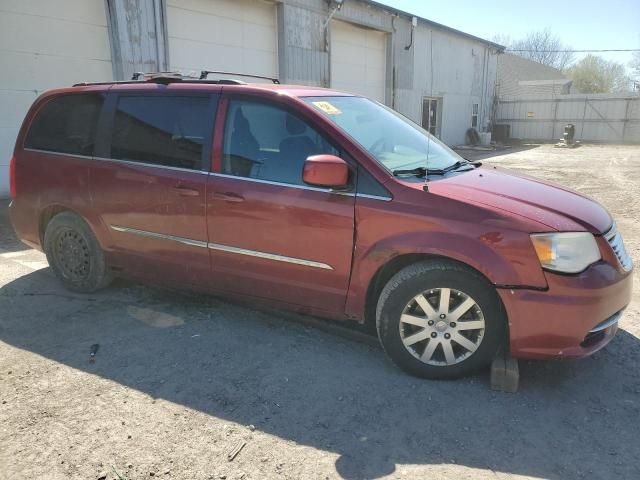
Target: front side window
{"x":265,"y":142}
{"x":393,"y":140}
{"x":161,"y":130}
{"x":66,"y":124}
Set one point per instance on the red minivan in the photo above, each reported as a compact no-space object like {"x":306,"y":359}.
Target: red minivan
{"x":321,"y":202}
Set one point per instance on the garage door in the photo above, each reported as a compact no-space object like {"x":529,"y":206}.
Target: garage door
{"x":230,"y":35}
{"x":358,"y":60}
{"x":46,"y":45}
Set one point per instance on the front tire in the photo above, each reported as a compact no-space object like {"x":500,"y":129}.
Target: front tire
{"x":74,"y":254}
{"x":440,"y":320}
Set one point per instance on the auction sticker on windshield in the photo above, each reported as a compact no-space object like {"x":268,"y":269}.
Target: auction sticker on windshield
{"x":327,"y":108}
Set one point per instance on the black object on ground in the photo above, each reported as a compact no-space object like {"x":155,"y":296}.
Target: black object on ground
{"x":92,"y":352}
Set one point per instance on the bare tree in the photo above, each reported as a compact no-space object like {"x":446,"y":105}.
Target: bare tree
{"x":544,"y":47}
{"x":635,"y":64}
{"x":502,"y":39}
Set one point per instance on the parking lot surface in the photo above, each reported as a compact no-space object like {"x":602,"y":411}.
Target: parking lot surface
{"x":180,"y":381}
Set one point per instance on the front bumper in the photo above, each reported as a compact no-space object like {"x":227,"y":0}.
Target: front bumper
{"x":575,"y":317}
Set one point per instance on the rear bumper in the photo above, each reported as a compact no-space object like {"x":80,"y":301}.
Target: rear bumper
{"x":575,"y":317}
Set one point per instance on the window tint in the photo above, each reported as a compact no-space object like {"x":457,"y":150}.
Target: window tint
{"x":163,"y":130}
{"x":266,"y":142}
{"x":66,"y":124}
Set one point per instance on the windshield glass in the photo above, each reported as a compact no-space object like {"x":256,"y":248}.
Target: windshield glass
{"x":395,"y":141}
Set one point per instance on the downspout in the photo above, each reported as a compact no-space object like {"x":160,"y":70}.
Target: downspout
{"x":393,"y":61}
{"x":337,"y":6}
{"x":485,"y":74}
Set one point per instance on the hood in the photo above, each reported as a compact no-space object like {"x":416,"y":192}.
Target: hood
{"x":555,"y":206}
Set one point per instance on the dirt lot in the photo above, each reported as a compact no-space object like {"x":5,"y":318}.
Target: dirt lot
{"x":180,"y":380}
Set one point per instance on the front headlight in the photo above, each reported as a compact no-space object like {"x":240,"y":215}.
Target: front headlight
{"x":569,"y":252}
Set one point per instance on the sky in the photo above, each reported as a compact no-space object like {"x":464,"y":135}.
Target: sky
{"x":585,"y":24}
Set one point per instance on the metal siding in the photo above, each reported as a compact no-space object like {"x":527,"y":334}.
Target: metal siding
{"x":137,"y":37}
{"x":302,"y":48}
{"x":600,"y":118}
{"x":463,"y":73}
{"x":238,"y":36}
{"x":358,"y":60}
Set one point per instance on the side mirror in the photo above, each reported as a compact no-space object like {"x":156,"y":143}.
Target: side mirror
{"x":325,"y":171}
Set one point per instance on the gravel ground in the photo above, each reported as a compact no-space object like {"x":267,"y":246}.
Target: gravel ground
{"x":180,"y":381}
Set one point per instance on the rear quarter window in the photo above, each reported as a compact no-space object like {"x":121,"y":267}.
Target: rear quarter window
{"x":66,"y":124}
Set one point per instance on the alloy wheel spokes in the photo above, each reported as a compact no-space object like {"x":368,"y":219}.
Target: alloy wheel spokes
{"x":442,"y":326}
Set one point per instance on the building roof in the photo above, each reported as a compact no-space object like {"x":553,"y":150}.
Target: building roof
{"x":497,"y":46}
{"x":519,"y":76}
{"x":527,"y":70}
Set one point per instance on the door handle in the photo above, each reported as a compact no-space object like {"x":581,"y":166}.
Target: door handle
{"x":227,"y":197}
{"x":185,"y":191}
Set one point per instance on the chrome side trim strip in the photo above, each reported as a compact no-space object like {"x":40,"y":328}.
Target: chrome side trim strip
{"x":373,"y":197}
{"x":161,"y":236}
{"x":269,"y":256}
{"x":73,"y":155}
{"x":152,"y":165}
{"x":281,"y":184}
{"x":607,"y":323}
{"x":222,"y":248}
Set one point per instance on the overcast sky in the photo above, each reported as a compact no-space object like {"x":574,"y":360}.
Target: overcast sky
{"x":584,"y":24}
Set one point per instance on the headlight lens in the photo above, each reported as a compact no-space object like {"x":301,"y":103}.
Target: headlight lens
{"x":569,"y":252}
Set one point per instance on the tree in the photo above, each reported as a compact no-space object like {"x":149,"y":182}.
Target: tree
{"x":635,"y":64}
{"x":594,"y":74}
{"x":544,"y":47}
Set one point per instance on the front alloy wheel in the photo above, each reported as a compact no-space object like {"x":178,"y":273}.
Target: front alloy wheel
{"x":442,"y":326}
{"x":440,"y":319}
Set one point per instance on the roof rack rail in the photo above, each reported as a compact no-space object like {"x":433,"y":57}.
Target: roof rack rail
{"x":205,"y":73}
{"x":166,"y":78}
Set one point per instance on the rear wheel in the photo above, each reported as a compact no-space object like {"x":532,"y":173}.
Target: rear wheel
{"x":440,"y":319}
{"x":74,"y":254}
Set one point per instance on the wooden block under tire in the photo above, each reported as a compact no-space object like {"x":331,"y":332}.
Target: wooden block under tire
{"x":505,"y":374}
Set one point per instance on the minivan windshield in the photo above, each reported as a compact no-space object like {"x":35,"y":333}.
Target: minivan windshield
{"x":392,"y":139}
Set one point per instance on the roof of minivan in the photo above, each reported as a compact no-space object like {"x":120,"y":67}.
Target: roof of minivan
{"x":289,"y":90}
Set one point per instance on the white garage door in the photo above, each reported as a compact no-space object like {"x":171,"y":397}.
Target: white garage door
{"x":228,"y":35}
{"x":45,"y":45}
{"x":358,"y":60}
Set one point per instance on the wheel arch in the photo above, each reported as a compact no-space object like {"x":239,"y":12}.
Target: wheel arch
{"x":395,"y":264}
{"x":50,"y":211}
{"x":47,"y":214}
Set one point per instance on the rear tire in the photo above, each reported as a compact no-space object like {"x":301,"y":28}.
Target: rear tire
{"x":440,"y":320}
{"x":74,"y":254}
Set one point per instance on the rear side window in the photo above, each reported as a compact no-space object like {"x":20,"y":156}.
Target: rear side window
{"x":169,"y":131}
{"x":66,"y":124}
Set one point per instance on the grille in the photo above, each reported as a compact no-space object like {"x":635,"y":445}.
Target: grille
{"x":615,"y":240}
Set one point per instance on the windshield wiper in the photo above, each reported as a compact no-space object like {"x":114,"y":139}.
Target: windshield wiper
{"x":424,"y":171}
{"x":455,"y":167}
{"x":418,"y":172}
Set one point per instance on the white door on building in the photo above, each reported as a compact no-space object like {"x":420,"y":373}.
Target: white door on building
{"x":358,"y":60}
{"x":226,"y":35}
{"x":46,"y":45}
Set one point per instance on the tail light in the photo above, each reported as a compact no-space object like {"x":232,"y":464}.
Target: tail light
{"x":12,"y":177}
